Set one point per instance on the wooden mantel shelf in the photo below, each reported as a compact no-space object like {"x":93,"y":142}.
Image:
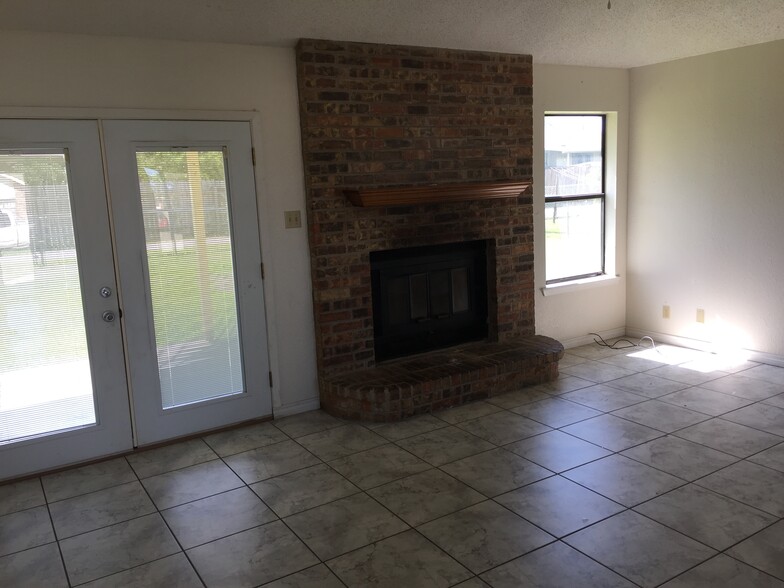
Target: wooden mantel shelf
{"x":435,"y":193}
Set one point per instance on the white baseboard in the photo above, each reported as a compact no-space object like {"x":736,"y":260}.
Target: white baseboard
{"x":296,"y":407}
{"x":586,"y":339}
{"x":753,"y":355}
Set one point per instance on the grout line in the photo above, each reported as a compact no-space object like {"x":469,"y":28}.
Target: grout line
{"x":56,"y":539}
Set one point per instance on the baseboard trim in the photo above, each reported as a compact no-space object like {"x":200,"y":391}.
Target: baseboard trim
{"x":753,"y":355}
{"x":296,"y":407}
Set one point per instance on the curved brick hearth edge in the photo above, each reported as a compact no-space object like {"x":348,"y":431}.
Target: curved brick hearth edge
{"x":440,"y":379}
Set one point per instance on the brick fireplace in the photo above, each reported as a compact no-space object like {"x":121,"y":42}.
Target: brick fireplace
{"x":378,"y":116}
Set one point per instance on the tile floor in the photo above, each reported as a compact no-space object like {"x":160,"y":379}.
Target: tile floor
{"x":636,"y":467}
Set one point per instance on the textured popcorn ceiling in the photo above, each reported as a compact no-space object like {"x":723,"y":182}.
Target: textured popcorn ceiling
{"x":578,"y":32}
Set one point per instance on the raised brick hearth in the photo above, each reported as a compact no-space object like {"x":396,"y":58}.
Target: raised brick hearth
{"x":440,"y":379}
{"x":376,"y":116}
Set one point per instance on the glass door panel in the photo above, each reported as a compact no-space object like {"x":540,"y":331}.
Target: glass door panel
{"x":45,"y":383}
{"x":63,"y":394}
{"x":191,"y":268}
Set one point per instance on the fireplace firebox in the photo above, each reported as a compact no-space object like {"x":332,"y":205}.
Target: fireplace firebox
{"x":428,"y":298}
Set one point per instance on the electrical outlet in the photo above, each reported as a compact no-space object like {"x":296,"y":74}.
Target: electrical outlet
{"x":292,"y":219}
{"x":666,"y":311}
{"x":700,"y":315}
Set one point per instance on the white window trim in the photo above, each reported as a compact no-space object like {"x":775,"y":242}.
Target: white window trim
{"x":581,"y":284}
{"x":610,"y":208}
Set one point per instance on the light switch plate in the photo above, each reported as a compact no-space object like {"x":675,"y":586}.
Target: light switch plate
{"x":292,"y":219}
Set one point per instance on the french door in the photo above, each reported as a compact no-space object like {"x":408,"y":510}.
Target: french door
{"x":133,"y":315}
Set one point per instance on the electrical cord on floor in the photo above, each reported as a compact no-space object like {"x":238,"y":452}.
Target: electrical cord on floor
{"x":601,"y":342}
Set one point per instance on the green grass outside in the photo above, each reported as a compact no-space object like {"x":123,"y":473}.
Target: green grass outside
{"x":177,"y":301}
{"x":551,"y":229}
{"x":41,"y":320}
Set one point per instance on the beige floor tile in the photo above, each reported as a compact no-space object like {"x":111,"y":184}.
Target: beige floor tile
{"x":596,"y":372}
{"x":750,"y":484}
{"x":723,"y":571}
{"x":705,"y":401}
{"x":759,"y":416}
{"x":661,"y":416}
{"x":623,"y":480}
{"x":648,"y":385}
{"x":558,"y":505}
{"x":426,"y":566}
{"x":306,"y":423}
{"x":733,"y":438}
{"x":680,"y":457}
{"x":772,"y":458}
{"x":744,"y":385}
{"x":495,"y":472}
{"x":485,"y":535}
{"x":40,"y":566}
{"x":340,"y":441}
{"x":710,"y":518}
{"x":517,"y":398}
{"x":211,"y":518}
{"x":764,"y":551}
{"x":378,"y":466}
{"x":554,"y":566}
{"x":611,"y":432}
{"x":25,"y":529}
{"x":426,"y":496}
{"x":117,"y":548}
{"x":503,"y":427}
{"x":88,"y":512}
{"x":344,"y":525}
{"x":557,"y":451}
{"x":274,"y":460}
{"x":409,"y":427}
{"x":152,"y":462}
{"x":191,"y":483}
{"x":565,"y":383}
{"x":318,"y":576}
{"x":686,"y":373}
{"x":22,"y":495}
{"x":555,"y":412}
{"x":245,"y":438}
{"x":444,"y":445}
{"x":251,"y":558}
{"x":639,"y":549}
{"x":172,"y":571}
{"x":303,"y":489}
{"x":87,"y":479}
{"x":467,"y":412}
{"x":603,"y":397}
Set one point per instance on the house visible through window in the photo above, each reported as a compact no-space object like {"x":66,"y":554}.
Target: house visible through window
{"x":574,"y":190}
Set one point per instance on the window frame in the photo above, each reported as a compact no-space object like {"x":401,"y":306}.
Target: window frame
{"x":601,"y":196}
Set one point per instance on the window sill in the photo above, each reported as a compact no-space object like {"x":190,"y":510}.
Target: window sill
{"x":583,"y":284}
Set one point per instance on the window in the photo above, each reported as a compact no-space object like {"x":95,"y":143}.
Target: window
{"x":574,"y":189}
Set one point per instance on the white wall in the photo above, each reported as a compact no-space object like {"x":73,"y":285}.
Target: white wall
{"x":706,"y":204}
{"x":569,"y":316}
{"x":53,"y":70}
